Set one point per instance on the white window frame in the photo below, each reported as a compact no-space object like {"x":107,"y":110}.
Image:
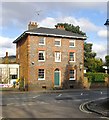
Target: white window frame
{"x":58,"y":40}
{"x":41,"y":51}
{"x":74,"y":75}
{"x":74,"y":57}
{"x":38,"y":75}
{"x":56,"y":60}
{"x":43,"y":40}
{"x":72,"y":41}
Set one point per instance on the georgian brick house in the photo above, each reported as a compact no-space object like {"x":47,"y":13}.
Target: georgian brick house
{"x":50,"y":57}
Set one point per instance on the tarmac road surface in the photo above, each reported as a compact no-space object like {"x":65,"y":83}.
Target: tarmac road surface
{"x":50,"y":104}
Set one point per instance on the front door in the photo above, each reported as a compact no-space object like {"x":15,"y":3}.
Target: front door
{"x":56,"y":77}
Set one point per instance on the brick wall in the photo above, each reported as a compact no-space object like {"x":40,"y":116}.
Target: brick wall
{"x":28,"y":48}
{"x":50,"y":65}
{"x":22,"y":58}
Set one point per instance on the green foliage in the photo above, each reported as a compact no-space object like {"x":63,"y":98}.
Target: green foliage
{"x":88,"y":51}
{"x":94,"y":65}
{"x":107,"y":60}
{"x":96,"y":77}
{"x":72,"y":28}
{"x":90,"y":62}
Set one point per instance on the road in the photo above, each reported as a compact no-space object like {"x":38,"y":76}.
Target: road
{"x":49,"y":105}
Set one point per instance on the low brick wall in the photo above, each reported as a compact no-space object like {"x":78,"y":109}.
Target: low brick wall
{"x":88,"y":85}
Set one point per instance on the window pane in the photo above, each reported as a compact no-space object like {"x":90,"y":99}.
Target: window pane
{"x":57,"y":56}
{"x":71,"y":75}
{"x":71,"y":56}
{"x":57,"y":42}
{"x":41,"y":55}
{"x":41,"y":40}
{"x":13,"y":77}
{"x":72,"y":43}
{"x":41,"y":74}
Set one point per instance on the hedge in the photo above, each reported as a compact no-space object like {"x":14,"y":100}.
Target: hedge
{"x":96,"y":77}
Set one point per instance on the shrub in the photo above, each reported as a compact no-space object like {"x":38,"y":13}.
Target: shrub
{"x":96,"y":77}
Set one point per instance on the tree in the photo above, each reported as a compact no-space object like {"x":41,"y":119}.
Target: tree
{"x":88,"y":56}
{"x":71,"y":28}
{"x":92,"y":63}
{"x":107,"y":60}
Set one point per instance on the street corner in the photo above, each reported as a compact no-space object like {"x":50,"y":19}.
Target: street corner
{"x":99,"y":106}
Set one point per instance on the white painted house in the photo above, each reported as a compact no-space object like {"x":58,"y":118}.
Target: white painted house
{"x":9,"y":73}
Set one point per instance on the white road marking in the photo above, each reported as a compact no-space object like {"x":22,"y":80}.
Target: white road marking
{"x":36,"y":96}
{"x":42,"y":102}
{"x":24,"y":98}
{"x":20,"y":104}
{"x":10,"y":104}
{"x":81,"y":107}
{"x":59,"y":95}
{"x":28,"y":103}
{"x":105,"y":118}
{"x":80,"y":94}
{"x":80,"y":100}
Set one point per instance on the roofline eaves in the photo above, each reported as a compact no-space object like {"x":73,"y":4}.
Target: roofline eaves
{"x":56,"y":35}
{"x":23,"y":34}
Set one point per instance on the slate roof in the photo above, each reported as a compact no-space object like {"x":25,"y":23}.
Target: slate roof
{"x":51,"y":32}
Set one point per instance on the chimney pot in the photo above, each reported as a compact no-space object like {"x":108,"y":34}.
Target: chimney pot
{"x":32,"y":25}
{"x":61,"y":27}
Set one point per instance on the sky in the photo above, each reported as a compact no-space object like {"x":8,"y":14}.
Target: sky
{"x":90,"y":16}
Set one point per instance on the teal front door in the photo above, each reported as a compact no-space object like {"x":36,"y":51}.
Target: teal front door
{"x":56,"y":78}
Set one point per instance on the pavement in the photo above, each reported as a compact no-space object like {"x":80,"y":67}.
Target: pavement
{"x":16,"y":90}
{"x":99,"y":106}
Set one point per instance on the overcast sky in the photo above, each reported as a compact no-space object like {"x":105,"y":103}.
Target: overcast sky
{"x":90,"y":16}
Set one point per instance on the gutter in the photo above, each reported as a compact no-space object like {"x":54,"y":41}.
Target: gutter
{"x":55,"y":35}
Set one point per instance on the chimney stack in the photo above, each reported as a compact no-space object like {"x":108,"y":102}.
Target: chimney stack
{"x":32,"y":25}
{"x":61,"y":27}
{"x":6,"y":58}
{"x":6,"y":54}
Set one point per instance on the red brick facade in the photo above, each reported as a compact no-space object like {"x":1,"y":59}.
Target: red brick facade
{"x":56,"y":63}
{"x":27,"y":57}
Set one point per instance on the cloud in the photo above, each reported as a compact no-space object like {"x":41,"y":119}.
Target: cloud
{"x":48,"y":22}
{"x":100,"y":49}
{"x":6,"y":45}
{"x":102,"y":33}
{"x":22,"y":12}
{"x":85,"y":24}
